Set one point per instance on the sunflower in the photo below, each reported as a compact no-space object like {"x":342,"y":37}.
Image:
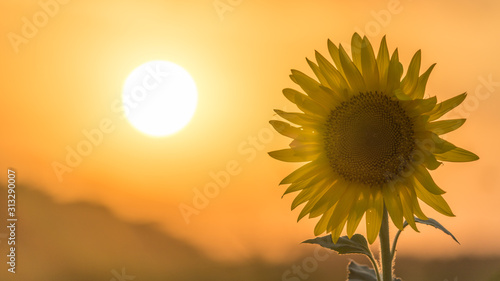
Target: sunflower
{"x":370,"y":139}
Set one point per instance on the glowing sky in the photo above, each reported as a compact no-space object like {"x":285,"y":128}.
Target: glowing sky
{"x":63,"y":65}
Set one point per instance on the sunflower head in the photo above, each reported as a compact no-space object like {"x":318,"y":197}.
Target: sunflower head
{"x":369,"y":138}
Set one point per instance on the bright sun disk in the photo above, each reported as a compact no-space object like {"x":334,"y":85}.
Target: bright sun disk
{"x":159,"y":98}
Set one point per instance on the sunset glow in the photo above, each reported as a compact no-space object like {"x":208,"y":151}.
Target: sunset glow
{"x":158,"y":112}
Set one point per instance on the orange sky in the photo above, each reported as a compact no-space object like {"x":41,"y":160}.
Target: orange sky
{"x":64,"y":74}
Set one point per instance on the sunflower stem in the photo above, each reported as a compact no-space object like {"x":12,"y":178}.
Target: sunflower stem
{"x":385,"y":248}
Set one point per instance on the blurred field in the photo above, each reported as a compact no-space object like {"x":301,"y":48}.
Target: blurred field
{"x":82,"y":241}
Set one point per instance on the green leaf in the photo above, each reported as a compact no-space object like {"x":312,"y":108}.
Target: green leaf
{"x":433,"y":222}
{"x":356,"y":245}
{"x":362,"y":273}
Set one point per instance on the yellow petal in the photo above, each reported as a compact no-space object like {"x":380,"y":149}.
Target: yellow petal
{"x":374,"y":216}
{"x":296,"y":186}
{"x":304,"y":134}
{"x":356,"y":45}
{"x":317,"y":72}
{"x":409,"y":83}
{"x":444,"y":126}
{"x":418,"y":211}
{"x":335,"y":233}
{"x":416,"y":206}
{"x":299,"y":118}
{"x":307,"y":149}
{"x":423,"y":176}
{"x":285,"y":129}
{"x":288,"y":155}
{"x":441,"y":145}
{"x":430,"y":161}
{"x":335,"y":54}
{"x":339,"y":97}
{"x":407,"y":203}
{"x":443,"y":107}
{"x":393,"y":205}
{"x":419,"y":91}
{"x":311,"y":87}
{"x":344,"y":206}
{"x":308,"y":193}
{"x":307,"y":182}
{"x":393,"y":74}
{"x":302,"y":173}
{"x":418,"y":107}
{"x":383,"y":63}
{"x":330,"y":198}
{"x":457,"y":154}
{"x":305,"y":103}
{"x":401,"y":95}
{"x":323,"y":222}
{"x":357,"y":212}
{"x":310,"y":204}
{"x":335,"y":79}
{"x":369,"y":65}
{"x":352,"y":74}
{"x":435,"y":201}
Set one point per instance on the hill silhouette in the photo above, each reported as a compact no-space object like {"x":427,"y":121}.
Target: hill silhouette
{"x":86,"y":242}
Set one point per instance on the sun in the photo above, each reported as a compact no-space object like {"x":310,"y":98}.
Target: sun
{"x":159,"y":98}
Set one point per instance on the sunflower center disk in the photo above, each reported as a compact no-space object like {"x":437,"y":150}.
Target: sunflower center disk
{"x":369,"y":139}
